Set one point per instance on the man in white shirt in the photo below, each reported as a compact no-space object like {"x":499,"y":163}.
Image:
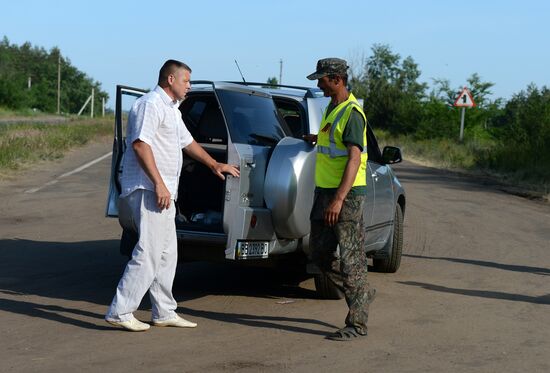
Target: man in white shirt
{"x":151,"y":169}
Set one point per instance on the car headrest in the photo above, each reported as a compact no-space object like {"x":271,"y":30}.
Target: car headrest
{"x":212,"y":125}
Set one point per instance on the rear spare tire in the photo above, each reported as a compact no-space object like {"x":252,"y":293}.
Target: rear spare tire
{"x":289,"y":187}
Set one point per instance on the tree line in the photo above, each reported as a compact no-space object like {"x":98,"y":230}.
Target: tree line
{"x":29,"y":75}
{"x":508,"y":135}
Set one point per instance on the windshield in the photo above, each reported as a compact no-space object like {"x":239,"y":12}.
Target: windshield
{"x":251,"y":119}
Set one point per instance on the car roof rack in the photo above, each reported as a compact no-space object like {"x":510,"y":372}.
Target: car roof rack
{"x":310,"y":92}
{"x":207,"y":82}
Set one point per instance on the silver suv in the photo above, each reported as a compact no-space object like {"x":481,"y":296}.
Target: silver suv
{"x":264,"y":214}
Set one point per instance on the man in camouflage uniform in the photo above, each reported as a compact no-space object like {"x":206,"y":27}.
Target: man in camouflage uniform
{"x":340,"y":193}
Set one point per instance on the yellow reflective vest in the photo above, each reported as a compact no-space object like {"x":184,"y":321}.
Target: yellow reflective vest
{"x":332,"y":154}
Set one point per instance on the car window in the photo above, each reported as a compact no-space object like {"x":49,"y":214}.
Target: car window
{"x":251,"y":119}
{"x":293,"y":115}
{"x":372,"y":147}
{"x":127,"y":100}
{"x":196,"y":110}
{"x":203,"y":118}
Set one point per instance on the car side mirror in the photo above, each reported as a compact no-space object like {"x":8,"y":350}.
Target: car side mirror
{"x":391,"y":155}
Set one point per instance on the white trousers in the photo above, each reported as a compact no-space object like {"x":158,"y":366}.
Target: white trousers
{"x":153,"y":263}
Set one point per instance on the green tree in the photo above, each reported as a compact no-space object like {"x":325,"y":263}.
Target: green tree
{"x":525,"y":118}
{"x":272,"y":81}
{"x":393,"y":94}
{"x":477,"y":118}
{"x":523,"y":130}
{"x":18,"y":63}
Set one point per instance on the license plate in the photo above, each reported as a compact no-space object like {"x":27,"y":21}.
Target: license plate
{"x":252,"y":249}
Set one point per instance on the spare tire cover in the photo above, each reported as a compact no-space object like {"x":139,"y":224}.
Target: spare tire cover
{"x":289,"y":187}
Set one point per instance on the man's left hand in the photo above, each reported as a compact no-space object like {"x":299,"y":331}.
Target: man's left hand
{"x":222,"y":168}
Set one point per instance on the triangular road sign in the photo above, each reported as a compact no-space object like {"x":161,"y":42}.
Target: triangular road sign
{"x":465,"y":99}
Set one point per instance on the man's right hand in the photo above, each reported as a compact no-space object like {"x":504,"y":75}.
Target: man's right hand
{"x":163,"y":196}
{"x":146,"y":160}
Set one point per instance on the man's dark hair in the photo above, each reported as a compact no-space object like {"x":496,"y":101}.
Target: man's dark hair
{"x":170,"y":67}
{"x":344,"y":77}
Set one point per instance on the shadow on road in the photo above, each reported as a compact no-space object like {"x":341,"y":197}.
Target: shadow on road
{"x":78,"y":271}
{"x":197,"y":279}
{"x":544,"y":299}
{"x":506,"y":267}
{"x":52,"y":312}
{"x":89,"y":272}
{"x":270,"y":322}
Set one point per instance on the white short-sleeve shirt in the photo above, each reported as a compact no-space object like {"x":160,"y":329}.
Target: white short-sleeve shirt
{"x":156,"y":120}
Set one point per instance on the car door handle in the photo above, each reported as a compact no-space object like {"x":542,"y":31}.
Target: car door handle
{"x":374,"y":176}
{"x":251,"y":164}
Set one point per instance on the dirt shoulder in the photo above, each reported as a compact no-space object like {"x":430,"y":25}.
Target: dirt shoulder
{"x":492,"y":179}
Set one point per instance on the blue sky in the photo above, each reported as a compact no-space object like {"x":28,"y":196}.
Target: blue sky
{"x":126,"y":42}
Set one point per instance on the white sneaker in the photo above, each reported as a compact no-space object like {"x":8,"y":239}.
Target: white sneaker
{"x":178,"y":322}
{"x":133,"y":324}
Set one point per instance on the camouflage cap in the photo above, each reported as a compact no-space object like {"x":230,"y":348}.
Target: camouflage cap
{"x":329,"y":66}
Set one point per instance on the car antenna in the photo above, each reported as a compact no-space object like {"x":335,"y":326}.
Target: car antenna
{"x":240,"y":72}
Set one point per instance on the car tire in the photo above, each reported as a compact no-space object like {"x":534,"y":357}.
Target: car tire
{"x":394,"y":249}
{"x":326,"y":288}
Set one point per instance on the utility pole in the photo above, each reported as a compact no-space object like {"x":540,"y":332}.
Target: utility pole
{"x":58,"y":81}
{"x":281,"y":71}
{"x":92,"y":107}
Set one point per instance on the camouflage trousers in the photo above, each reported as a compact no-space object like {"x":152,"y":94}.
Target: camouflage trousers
{"x":348,"y":271}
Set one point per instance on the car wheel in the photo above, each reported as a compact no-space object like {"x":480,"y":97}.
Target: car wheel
{"x":394,"y":249}
{"x":326,"y":288}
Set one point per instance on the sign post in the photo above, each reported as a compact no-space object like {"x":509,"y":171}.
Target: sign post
{"x":464,"y":100}
{"x":462,"y":114}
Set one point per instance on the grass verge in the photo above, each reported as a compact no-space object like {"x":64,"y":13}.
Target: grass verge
{"x":5,"y":112}
{"x":518,"y":167}
{"x":25,"y":143}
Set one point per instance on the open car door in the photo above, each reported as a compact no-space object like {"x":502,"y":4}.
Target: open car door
{"x":316,"y":107}
{"x":124,"y":95}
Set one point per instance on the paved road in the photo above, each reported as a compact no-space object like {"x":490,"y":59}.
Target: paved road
{"x":472,"y":293}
